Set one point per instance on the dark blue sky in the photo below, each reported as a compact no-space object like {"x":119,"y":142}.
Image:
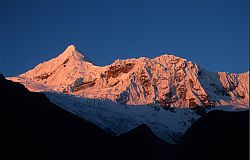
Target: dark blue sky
{"x":212,"y":33}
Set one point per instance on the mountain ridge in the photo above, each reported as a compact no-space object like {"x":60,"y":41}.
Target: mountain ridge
{"x":166,"y":80}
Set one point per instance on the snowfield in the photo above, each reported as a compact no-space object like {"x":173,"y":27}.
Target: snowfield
{"x":115,"y":118}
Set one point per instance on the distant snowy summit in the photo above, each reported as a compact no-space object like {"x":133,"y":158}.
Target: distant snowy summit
{"x":167,"y":80}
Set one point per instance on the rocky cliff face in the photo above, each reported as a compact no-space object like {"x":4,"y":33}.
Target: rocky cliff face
{"x":167,"y":80}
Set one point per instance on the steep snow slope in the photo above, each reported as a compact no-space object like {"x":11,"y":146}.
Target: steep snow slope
{"x":118,"y":119}
{"x":115,"y":118}
{"x":167,"y":80}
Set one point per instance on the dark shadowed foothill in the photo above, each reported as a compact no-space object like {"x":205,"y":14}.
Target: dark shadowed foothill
{"x":35,"y":128}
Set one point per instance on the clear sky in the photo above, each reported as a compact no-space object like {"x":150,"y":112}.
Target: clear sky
{"x":212,"y":33}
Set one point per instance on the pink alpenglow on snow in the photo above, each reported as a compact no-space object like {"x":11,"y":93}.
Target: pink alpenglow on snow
{"x":167,"y":80}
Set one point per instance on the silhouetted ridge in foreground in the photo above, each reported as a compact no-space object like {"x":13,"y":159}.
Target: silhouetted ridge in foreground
{"x":217,"y":135}
{"x":141,"y":143}
{"x":35,"y":128}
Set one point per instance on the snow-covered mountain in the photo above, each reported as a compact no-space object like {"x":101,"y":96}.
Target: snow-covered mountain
{"x":119,"y":97}
{"x":167,"y":80}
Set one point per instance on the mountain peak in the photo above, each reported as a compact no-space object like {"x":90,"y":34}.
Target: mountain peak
{"x":71,"y":48}
{"x":71,"y":51}
{"x":170,"y":57}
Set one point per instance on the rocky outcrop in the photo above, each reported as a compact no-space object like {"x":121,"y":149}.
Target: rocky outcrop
{"x":116,"y":70}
